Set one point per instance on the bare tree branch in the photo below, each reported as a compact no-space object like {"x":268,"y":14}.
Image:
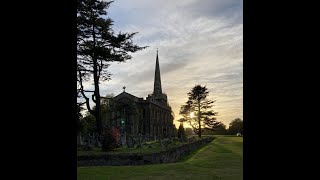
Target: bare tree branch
{"x":83,"y":94}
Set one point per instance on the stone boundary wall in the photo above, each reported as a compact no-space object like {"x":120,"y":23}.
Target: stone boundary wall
{"x":169,"y":156}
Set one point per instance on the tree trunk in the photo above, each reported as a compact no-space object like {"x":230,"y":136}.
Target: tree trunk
{"x":98,"y":106}
{"x":96,"y":98}
{"x":199,"y":119}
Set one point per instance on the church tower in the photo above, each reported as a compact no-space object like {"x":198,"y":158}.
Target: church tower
{"x":157,"y":89}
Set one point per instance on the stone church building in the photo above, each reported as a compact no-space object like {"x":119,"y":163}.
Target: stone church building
{"x":149,"y":118}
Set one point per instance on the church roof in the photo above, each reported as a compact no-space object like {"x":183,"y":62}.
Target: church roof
{"x":126,"y":95}
{"x":157,"y":97}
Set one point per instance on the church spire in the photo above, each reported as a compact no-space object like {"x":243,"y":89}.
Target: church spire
{"x":157,"y":90}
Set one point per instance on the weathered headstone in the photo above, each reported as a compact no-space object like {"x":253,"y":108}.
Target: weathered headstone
{"x":99,"y":144}
{"x":123,"y":140}
{"x":130,"y":142}
{"x":79,"y":140}
{"x":96,"y":140}
{"x":90,"y":139}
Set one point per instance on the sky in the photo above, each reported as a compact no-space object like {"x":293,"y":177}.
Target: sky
{"x":199,"y":42}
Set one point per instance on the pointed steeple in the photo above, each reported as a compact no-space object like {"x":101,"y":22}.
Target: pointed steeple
{"x":157,"y":90}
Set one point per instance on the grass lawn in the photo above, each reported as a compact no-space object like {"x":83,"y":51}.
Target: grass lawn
{"x":221,"y":159}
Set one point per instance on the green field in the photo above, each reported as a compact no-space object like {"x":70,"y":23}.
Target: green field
{"x":221,"y":159}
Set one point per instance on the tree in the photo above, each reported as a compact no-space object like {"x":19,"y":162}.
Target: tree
{"x":220,"y":129}
{"x":79,"y":116}
{"x":175,"y":131}
{"x":204,"y":115}
{"x":181,"y":132}
{"x":97,"y":46}
{"x":188,"y":131}
{"x":110,"y":144}
{"x":88,"y":124}
{"x":88,"y":121}
{"x":182,"y":120}
{"x":185,"y":111}
{"x":236,"y":126}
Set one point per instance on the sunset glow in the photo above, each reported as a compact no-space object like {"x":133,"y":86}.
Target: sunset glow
{"x":192,"y":115}
{"x":198,"y":43}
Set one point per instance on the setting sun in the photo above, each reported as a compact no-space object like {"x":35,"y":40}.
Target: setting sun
{"x":192,"y":115}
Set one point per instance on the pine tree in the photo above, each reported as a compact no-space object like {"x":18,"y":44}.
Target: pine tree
{"x":97,"y":46}
{"x":204,"y":115}
{"x":181,"y":132}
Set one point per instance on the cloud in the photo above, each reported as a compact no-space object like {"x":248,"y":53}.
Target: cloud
{"x":199,"y":42}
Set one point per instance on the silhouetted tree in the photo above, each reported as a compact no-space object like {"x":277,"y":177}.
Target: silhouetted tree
{"x":188,"y":131}
{"x":175,"y":131}
{"x":185,"y":111}
{"x":182,"y":120}
{"x":88,"y":125}
{"x":204,"y":115}
{"x":220,"y":129}
{"x":110,"y":144}
{"x":97,"y":46}
{"x":88,"y":122}
{"x":79,"y":116}
{"x":181,"y":132}
{"x":236,"y":126}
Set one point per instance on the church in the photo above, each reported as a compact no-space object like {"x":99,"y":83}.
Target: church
{"x":151,"y":118}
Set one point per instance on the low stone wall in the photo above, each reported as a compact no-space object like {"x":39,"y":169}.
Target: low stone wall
{"x":169,"y":156}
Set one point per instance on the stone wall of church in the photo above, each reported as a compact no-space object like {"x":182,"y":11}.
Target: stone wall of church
{"x":145,"y":118}
{"x":160,"y":121}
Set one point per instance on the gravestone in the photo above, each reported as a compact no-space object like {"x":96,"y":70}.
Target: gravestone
{"x":99,"y":144}
{"x":139,"y":141}
{"x":123,"y":139}
{"x":96,"y":140}
{"x":79,"y":140}
{"x":130,"y":142}
{"x":90,"y":139}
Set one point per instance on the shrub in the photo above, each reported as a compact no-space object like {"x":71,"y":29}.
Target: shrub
{"x":165,"y":143}
{"x":175,"y":139}
{"x":181,"y":133}
{"x":115,"y":134}
{"x":111,"y":140}
{"x":192,"y":139}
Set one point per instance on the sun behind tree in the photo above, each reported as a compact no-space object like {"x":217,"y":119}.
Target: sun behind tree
{"x":198,"y":112}
{"x":192,"y":115}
